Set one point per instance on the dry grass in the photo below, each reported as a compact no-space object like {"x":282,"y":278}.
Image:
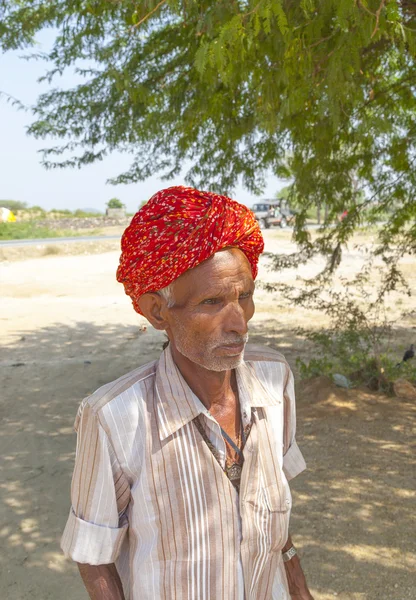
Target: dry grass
{"x":21,"y":253}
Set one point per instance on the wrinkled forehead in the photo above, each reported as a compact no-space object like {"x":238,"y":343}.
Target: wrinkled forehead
{"x":226,"y":268}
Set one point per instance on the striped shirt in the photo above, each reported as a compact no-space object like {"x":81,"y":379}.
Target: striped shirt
{"x":148,"y":494}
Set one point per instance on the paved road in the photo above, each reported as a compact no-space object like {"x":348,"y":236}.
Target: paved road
{"x":86,"y":238}
{"x":59,"y":240}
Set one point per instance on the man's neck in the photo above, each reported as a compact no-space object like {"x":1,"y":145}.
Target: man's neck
{"x":217,"y":390}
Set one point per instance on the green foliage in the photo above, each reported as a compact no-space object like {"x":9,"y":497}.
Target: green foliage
{"x":324,"y":89}
{"x":37,"y":212}
{"x":346,"y":351}
{"x":115,"y":203}
{"x":315,"y":367}
{"x":13,"y":205}
{"x":29,"y":230}
{"x":66,"y":213}
{"x":358,"y":341}
{"x":346,"y":355}
{"x":288,"y":193}
{"x":61,"y":211}
{"x":284,"y":193}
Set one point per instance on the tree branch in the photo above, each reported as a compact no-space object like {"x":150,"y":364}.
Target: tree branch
{"x":378,"y":12}
{"x":250,"y":12}
{"x":324,"y":39}
{"x":148,"y":14}
{"x":361,"y":5}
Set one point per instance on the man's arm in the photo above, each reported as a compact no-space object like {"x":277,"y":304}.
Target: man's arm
{"x":298,"y":588}
{"x":98,"y":520}
{"x":102,"y":581}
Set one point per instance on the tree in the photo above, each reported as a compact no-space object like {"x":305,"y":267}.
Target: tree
{"x":235,"y":88}
{"x":284,"y":193}
{"x":115,"y":203}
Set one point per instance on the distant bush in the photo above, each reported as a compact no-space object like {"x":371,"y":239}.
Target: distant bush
{"x":34,"y":212}
{"x":61,"y":211}
{"x":85,"y":214}
{"x":115,"y":203}
{"x":13,"y":205}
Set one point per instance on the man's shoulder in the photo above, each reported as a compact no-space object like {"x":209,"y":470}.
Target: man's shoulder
{"x":270,"y":367}
{"x":255,"y":353}
{"x":114,"y":389}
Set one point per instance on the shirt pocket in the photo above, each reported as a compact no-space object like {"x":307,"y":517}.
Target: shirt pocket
{"x":278,"y":500}
{"x":278,"y":497}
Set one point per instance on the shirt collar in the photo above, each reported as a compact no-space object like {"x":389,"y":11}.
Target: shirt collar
{"x":177,"y":405}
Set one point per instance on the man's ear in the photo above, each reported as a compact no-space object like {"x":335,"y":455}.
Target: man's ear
{"x":153,"y":307}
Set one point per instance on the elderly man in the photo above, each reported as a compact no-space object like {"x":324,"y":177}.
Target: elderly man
{"x":180,"y":488}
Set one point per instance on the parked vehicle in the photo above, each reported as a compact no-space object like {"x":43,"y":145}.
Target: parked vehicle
{"x":270,"y":213}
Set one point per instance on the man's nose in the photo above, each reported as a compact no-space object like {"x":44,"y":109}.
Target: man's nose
{"x":235,"y":319}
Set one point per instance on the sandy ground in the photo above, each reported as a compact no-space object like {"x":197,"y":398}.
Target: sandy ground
{"x":67,"y":328}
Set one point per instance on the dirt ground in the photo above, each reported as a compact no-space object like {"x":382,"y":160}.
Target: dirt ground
{"x":68,"y":328}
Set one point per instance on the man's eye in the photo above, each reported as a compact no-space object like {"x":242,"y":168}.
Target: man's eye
{"x":212,"y":301}
{"x":245,"y":295}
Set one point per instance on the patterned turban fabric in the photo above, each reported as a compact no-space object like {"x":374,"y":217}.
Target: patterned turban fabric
{"x":176,"y":230}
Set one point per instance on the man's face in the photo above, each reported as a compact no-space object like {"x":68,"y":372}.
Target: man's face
{"x":213,"y":304}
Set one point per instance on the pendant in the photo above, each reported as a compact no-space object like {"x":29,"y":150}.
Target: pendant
{"x":234,"y":472}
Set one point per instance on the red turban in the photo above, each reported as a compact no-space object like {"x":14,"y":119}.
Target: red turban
{"x":176,"y":230}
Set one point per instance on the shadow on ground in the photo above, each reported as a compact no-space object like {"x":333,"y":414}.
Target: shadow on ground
{"x":352,"y":509}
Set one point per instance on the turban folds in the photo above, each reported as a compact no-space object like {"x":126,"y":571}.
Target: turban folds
{"x":176,"y":230}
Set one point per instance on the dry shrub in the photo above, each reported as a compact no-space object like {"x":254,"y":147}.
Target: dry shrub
{"x":51,"y":251}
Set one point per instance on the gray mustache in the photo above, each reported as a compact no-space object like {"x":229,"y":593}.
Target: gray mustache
{"x":232,"y":341}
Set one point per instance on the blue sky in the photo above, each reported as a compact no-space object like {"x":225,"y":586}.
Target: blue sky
{"x":22,"y":177}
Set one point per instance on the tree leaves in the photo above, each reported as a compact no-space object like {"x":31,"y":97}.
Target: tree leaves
{"x":322,"y":89}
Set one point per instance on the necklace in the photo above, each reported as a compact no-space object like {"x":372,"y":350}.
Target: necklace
{"x":234,"y":467}
{"x":231,"y":452}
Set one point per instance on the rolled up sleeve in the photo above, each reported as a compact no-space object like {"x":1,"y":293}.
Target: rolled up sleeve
{"x":100,"y":493}
{"x":293,"y":461}
{"x":86,"y":542}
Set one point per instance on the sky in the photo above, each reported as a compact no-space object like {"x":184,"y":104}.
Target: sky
{"x":22,"y":177}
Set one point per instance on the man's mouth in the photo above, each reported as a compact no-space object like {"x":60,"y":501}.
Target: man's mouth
{"x":235,"y":348}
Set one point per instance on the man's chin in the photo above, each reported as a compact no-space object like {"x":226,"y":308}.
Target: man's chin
{"x":222,"y":358}
{"x":224,"y":363}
